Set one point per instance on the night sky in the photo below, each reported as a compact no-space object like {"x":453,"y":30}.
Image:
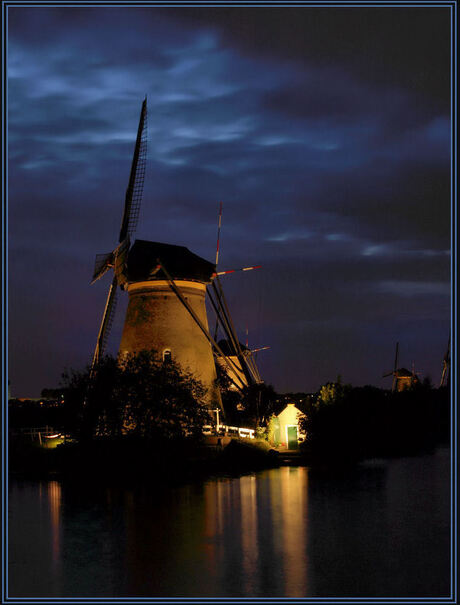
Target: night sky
{"x":325,"y":132}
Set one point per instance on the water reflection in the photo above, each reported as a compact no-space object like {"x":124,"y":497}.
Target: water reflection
{"x":294,"y":493}
{"x":283,"y":532}
{"x":249,"y":542}
{"x":54,"y":499}
{"x":34,"y":546}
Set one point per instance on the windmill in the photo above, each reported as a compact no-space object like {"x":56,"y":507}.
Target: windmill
{"x":167,"y":286}
{"x":402,"y":378}
{"x":445,"y":365}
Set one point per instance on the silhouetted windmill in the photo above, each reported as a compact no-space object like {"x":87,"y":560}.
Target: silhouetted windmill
{"x":402,"y":378}
{"x":445,"y":365}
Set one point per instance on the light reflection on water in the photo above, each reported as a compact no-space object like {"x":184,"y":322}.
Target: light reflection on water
{"x":54,"y":499}
{"x":380,"y":530}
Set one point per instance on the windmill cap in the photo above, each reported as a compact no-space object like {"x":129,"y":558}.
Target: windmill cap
{"x":403,"y":373}
{"x":178,"y":261}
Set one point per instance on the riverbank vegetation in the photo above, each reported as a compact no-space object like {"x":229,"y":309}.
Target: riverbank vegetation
{"x":347,"y":424}
{"x":139,"y":416}
{"x":130,"y":417}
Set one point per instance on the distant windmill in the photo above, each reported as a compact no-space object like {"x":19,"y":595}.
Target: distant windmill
{"x":445,"y":365}
{"x":167,"y":285}
{"x":402,"y":378}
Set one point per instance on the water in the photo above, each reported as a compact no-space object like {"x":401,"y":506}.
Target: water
{"x":381,"y":530}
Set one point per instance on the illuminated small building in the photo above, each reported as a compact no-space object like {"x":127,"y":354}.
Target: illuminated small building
{"x":286,"y":431}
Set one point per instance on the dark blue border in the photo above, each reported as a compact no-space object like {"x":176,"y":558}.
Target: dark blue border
{"x":453,"y":385}
{"x":4,"y":308}
{"x":452,"y":4}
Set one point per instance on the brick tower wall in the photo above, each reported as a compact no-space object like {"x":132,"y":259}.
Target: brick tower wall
{"x":157,"y":319}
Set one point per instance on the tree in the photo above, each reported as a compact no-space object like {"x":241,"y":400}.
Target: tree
{"x":258,"y":403}
{"x":332,"y":393}
{"x":251,"y":406}
{"x":348,"y":424}
{"x":137,"y":395}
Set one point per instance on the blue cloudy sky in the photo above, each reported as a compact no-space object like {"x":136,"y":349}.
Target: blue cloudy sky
{"x":324,"y":131}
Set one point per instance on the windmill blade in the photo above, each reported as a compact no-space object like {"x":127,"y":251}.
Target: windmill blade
{"x":135,"y":188}
{"x":259,"y":349}
{"x":116,"y":259}
{"x":219,"y":224}
{"x":236,"y":270}
{"x":447,"y":355}
{"x":443,"y":375}
{"x":120,"y":262}
{"x":388,"y":374}
{"x":445,"y":364}
{"x":102,"y":264}
{"x":396,"y":357}
{"x":232,"y":332}
{"x":106,"y":323}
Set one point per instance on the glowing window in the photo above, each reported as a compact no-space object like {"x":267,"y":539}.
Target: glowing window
{"x":167,"y":355}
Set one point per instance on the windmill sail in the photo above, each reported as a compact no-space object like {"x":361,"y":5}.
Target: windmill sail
{"x":395,"y":369}
{"x":135,"y":187}
{"x":102,"y":264}
{"x":445,"y":365}
{"x":117,"y":258}
{"x":246,"y":362}
{"x":106,"y":323}
{"x":394,"y":373}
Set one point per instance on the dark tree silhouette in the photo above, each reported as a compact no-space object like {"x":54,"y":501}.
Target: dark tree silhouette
{"x":348,"y":424}
{"x":137,"y":395}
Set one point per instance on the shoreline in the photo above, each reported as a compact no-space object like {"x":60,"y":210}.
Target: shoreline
{"x":137,"y":462}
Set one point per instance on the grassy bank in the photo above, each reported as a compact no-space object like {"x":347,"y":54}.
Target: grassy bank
{"x":131,"y":460}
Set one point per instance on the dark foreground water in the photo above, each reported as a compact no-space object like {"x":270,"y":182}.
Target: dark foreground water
{"x":381,"y":530}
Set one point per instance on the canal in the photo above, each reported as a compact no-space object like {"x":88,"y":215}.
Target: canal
{"x":380,"y":530}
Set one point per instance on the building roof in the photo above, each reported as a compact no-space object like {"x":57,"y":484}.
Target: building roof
{"x":178,"y":261}
{"x":403,"y":373}
{"x":290,"y":408}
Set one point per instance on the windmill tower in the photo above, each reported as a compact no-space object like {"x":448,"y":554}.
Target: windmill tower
{"x":402,"y":378}
{"x":166,"y":285}
{"x":164,"y":305}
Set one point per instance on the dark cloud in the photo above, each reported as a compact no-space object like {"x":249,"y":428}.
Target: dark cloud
{"x":325,"y":132}
{"x":408,"y":47}
{"x":408,"y":202}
